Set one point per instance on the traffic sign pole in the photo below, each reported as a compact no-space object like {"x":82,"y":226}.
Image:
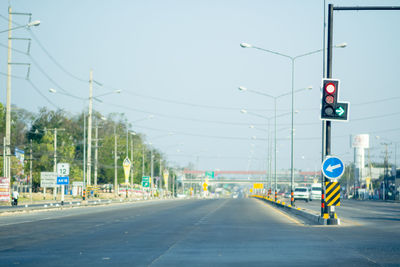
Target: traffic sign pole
{"x":327,"y":211}
{"x":63,"y":171}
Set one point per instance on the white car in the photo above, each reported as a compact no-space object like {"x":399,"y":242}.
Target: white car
{"x":316,"y":191}
{"x":301,"y":193}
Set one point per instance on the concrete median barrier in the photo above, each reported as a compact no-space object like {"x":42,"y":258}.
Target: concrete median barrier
{"x":305,"y":215}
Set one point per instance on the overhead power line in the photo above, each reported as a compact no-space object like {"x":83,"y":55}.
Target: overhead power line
{"x":203,"y":135}
{"x":178,"y":117}
{"x":40,"y":93}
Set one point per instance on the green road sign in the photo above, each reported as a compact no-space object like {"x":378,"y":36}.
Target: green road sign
{"x":210,"y":174}
{"x":145,"y":181}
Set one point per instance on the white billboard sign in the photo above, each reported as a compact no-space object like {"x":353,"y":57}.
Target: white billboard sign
{"x":360,"y":141}
{"x":4,"y":189}
{"x":48,"y":179}
{"x":77,"y":183}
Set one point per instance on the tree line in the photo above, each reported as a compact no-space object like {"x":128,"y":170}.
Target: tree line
{"x":35,"y":132}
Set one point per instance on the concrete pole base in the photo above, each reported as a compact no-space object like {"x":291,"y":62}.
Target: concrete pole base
{"x":333,"y":221}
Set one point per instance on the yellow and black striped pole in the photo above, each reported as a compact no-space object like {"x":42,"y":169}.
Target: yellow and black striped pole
{"x":332,"y":194}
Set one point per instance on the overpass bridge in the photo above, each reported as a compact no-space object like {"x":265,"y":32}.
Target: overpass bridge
{"x":236,"y":177}
{"x":251,"y":175}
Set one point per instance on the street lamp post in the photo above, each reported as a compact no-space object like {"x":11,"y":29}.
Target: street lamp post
{"x":269,"y":164}
{"x":292,"y":59}
{"x":275,"y":98}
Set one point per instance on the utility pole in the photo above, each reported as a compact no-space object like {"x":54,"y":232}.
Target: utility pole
{"x":133,"y":134}
{"x":4,"y":157}
{"x":386,"y":170}
{"x":96,"y":153}
{"x":115,"y":162}
{"x":84,"y":156}
{"x":161,"y":176}
{"x":55,"y":156}
{"x":173,"y":184}
{"x":143,"y":161}
{"x":30,"y":171}
{"x":8,"y":101}
{"x":89,"y":150}
{"x":152,"y":171}
{"x":55,"y":160}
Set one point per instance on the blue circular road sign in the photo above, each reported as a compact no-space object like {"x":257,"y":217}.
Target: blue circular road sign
{"x":332,"y":167}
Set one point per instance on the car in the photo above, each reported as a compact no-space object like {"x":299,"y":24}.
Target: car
{"x":316,"y":191}
{"x":301,"y":193}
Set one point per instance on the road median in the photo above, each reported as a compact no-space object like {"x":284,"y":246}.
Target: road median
{"x":311,"y":218}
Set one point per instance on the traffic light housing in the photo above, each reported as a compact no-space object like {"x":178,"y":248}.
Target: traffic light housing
{"x":331,"y":108}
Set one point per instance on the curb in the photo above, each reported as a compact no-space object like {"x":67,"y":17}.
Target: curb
{"x":312,"y":218}
{"x":84,"y":203}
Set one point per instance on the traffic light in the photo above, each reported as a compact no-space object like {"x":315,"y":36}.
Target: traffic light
{"x":331,"y":108}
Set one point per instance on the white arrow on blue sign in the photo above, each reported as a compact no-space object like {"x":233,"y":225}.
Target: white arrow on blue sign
{"x":332,"y":167}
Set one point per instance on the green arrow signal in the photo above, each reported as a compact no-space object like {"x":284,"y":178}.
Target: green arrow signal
{"x":340,"y":111}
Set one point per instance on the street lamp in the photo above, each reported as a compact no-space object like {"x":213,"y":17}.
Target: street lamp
{"x":244,"y":111}
{"x":30,"y":24}
{"x":275,"y":98}
{"x":292,"y":59}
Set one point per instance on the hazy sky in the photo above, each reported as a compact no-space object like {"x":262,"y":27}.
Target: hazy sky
{"x":181,"y":61}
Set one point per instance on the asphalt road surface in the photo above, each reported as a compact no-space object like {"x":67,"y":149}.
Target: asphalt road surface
{"x":224,"y":232}
{"x":375,"y":214}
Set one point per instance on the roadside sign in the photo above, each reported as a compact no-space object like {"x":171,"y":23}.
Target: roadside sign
{"x":332,"y":167}
{"x":258,"y":186}
{"x":205,"y":186}
{"x":165,"y":176}
{"x":62,"y":169}
{"x":63,"y":180}
{"x":332,"y":194}
{"x":210,"y":174}
{"x":48,"y":179}
{"x":77,"y":184}
{"x":127,"y":168}
{"x":4,"y":189}
{"x":145,"y":181}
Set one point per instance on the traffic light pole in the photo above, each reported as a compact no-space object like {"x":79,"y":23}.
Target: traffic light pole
{"x":326,"y":151}
{"x":326,"y":211}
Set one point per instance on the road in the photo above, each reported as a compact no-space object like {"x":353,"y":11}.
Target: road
{"x":223,"y":232}
{"x":375,"y":214}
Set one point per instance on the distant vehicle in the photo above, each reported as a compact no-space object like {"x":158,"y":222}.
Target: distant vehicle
{"x":301,"y":193}
{"x":316,"y":191}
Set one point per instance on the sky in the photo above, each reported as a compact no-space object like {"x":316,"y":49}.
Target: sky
{"x":181,"y":61}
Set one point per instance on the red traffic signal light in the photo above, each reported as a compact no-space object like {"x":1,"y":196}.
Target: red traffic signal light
{"x":331,"y":108}
{"x":330,"y":87}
